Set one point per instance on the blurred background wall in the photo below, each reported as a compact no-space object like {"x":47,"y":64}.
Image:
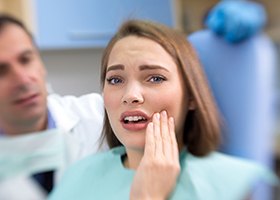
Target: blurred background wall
{"x":74,"y":68}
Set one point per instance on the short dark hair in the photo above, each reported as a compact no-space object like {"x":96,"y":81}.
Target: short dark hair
{"x":6,"y":19}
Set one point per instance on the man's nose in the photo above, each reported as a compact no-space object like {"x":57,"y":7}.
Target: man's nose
{"x":20,"y":75}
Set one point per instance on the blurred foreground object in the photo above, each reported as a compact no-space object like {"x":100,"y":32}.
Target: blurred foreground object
{"x":236,"y":20}
{"x":50,"y":150}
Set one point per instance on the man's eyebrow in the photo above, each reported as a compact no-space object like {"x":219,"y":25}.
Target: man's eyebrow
{"x":27,"y":52}
{"x":115,"y":67}
{"x":152,"y":67}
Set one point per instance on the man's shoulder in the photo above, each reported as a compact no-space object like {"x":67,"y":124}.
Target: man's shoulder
{"x":84,"y":105}
{"x":80,"y":115}
{"x":70,"y":99}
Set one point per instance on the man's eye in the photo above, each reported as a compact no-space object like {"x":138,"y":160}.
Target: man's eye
{"x":157,"y":79}
{"x":114,"y":80}
{"x":25,"y":60}
{"x":3,"y":69}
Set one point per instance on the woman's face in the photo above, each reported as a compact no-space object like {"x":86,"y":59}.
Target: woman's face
{"x":142,"y":79}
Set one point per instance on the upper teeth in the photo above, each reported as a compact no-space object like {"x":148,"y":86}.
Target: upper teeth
{"x":134,"y":118}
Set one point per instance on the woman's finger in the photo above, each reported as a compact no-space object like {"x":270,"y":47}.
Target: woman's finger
{"x":157,"y":134}
{"x":149,"y":140}
{"x":166,"y":140}
{"x":173,"y":139}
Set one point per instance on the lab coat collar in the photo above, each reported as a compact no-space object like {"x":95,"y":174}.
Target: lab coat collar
{"x":65,"y":119}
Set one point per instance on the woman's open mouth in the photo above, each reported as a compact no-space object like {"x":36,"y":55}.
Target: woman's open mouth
{"x":134,"y":121}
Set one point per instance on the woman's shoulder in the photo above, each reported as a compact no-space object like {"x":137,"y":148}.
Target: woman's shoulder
{"x":230,"y":168}
{"x":222,"y":176}
{"x":224,"y":160}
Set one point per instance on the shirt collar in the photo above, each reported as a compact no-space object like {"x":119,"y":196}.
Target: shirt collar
{"x":51,"y":122}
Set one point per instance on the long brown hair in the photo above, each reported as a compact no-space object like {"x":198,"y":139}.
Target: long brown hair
{"x":202,"y":125}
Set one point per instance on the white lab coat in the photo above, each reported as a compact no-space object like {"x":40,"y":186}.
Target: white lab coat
{"x":82,"y":119}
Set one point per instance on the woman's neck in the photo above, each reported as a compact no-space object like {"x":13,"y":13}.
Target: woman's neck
{"x":133,"y":158}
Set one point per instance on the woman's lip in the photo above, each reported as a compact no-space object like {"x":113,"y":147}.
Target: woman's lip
{"x":135,"y":126}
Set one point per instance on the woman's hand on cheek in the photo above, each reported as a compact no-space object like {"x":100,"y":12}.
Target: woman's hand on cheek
{"x":159,"y":168}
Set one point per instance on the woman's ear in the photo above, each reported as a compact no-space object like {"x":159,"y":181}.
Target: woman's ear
{"x":192,"y":104}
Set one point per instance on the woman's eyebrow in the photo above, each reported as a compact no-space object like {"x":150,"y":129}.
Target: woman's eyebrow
{"x":115,"y":67}
{"x":151,"y":67}
{"x":141,"y":67}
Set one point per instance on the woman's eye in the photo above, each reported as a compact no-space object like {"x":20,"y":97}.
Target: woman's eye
{"x":157,"y":79}
{"x":114,"y":80}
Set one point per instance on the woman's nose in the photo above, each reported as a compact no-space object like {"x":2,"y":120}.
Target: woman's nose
{"x":133,"y":95}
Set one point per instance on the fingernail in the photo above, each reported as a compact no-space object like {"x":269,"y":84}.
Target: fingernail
{"x":164,"y":114}
{"x":157,"y":116}
{"x":171,"y":120}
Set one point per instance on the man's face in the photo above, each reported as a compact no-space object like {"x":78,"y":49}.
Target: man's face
{"x":22,"y":80}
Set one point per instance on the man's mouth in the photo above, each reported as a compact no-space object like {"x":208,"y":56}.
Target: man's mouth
{"x":26,"y":100}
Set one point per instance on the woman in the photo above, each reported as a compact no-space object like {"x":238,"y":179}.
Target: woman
{"x":158,"y":105}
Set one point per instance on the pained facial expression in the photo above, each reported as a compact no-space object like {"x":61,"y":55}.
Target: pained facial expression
{"x":22,"y":79}
{"x":142,"y":79}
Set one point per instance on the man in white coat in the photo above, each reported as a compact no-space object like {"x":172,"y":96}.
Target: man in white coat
{"x":26,"y":107}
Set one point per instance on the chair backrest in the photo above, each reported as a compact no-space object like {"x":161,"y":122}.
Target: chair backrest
{"x":242,"y":80}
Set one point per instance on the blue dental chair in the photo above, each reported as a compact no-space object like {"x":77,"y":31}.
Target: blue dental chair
{"x":242,"y":76}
